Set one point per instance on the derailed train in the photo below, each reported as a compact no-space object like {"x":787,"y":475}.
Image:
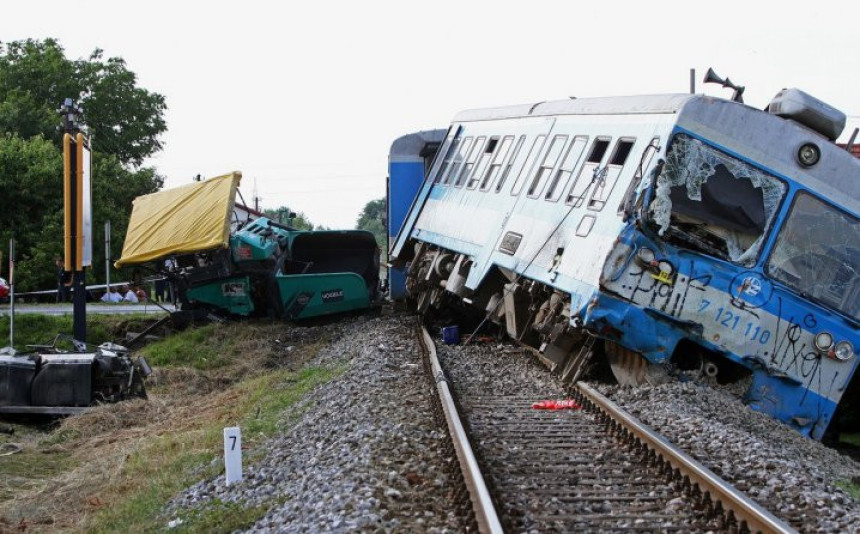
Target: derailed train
{"x":652,"y":233}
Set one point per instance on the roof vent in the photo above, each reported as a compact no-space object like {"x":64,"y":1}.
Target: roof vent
{"x":800,"y":107}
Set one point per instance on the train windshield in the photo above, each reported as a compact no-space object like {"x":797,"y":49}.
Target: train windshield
{"x":709,"y":201}
{"x":817,"y":254}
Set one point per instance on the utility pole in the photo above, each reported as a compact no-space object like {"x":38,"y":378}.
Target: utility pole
{"x":12,"y":292}
{"x":78,"y":212}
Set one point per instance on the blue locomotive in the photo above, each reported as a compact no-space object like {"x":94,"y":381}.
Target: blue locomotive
{"x":408,"y":162}
{"x":654,"y":233}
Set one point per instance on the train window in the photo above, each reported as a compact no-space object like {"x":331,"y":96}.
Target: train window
{"x":563,"y":174}
{"x":549,"y":162}
{"x":497,"y":162}
{"x":585,"y":225}
{"x":817,"y":253}
{"x":626,"y":204}
{"x":622,"y":150}
{"x":709,"y":201}
{"x":482,"y":163}
{"x":527,"y":167}
{"x":598,"y":150}
{"x":457,"y":160}
{"x":604,"y":186}
{"x":510,"y":163}
{"x":470,"y":161}
{"x":590,"y":172}
{"x":446,"y":163}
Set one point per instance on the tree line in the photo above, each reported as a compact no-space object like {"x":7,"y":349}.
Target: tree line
{"x":125,"y":121}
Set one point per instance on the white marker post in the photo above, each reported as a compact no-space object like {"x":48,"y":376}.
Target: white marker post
{"x":233,"y":454}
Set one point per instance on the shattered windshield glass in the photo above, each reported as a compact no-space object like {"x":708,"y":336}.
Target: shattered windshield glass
{"x":709,"y":201}
{"x":817,"y":253}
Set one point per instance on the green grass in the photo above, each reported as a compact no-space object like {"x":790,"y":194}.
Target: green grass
{"x":161,"y":457}
{"x":850,"y":488}
{"x":850,"y":439}
{"x":222,"y":517}
{"x":36,"y":329}
{"x":265,"y":398}
{"x":207,"y":347}
{"x":174,"y":461}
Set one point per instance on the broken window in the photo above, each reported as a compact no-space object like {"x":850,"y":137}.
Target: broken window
{"x":713,"y":202}
{"x":817,"y":253}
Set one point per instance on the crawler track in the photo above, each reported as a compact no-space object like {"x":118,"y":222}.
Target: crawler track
{"x":594,"y":469}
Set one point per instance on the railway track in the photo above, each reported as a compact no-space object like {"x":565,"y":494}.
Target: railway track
{"x":594,"y":469}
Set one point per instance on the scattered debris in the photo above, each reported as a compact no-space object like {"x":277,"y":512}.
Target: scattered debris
{"x":566,"y":404}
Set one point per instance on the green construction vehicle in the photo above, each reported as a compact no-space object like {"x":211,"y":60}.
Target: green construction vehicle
{"x":216,"y":260}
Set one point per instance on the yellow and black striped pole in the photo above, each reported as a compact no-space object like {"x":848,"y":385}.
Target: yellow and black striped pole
{"x":74,"y":191}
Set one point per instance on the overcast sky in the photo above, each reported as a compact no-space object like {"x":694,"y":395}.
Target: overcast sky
{"x":305,"y":98}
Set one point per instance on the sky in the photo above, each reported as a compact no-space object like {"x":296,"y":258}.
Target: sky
{"x":305,"y":98}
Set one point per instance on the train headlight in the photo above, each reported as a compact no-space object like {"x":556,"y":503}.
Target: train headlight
{"x":823,"y":342}
{"x":645,"y":257}
{"x":808,"y":154}
{"x":843,"y":351}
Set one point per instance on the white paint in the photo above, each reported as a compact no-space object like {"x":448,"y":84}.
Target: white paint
{"x":233,"y":454}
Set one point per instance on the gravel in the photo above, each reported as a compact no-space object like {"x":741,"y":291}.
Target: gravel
{"x":365,"y":455}
{"x":790,"y":475}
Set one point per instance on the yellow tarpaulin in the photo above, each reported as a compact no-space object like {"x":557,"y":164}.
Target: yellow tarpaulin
{"x":184,"y":219}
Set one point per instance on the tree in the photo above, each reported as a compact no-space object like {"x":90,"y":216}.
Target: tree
{"x":372,"y":219}
{"x":35,"y":78}
{"x":32,"y":198}
{"x":282,"y":215}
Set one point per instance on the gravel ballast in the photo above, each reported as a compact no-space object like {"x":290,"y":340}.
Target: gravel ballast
{"x":792,"y":476}
{"x":366,"y":453}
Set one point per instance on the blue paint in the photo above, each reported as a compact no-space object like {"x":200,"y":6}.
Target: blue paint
{"x":404,"y":181}
{"x":797,"y":406}
{"x":451,"y":335}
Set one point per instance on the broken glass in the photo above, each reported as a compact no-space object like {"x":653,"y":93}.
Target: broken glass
{"x":817,"y":254}
{"x":713,"y":202}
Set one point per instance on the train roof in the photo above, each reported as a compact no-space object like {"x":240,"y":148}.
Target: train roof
{"x":409,"y":147}
{"x":761,"y":135}
{"x":641,"y":104}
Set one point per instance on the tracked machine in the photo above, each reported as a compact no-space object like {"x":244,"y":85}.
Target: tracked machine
{"x":221,"y":259}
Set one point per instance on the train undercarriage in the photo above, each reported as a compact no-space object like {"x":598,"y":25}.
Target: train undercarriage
{"x":538,"y":317}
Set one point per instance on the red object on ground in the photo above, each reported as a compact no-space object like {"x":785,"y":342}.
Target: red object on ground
{"x":567,"y":404}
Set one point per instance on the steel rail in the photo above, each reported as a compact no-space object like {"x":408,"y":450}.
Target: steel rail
{"x":482,"y":504}
{"x":745,"y":510}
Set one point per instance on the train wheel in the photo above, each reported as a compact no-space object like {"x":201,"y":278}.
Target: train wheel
{"x":578,"y":361}
{"x":631,"y":369}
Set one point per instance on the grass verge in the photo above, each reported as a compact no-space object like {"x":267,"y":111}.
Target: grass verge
{"x":115,"y":467}
{"x":851,"y":488}
{"x":35,"y":329}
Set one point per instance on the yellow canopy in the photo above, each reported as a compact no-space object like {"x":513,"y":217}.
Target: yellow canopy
{"x":184,"y":219}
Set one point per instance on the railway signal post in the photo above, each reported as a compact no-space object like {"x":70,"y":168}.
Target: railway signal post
{"x":78,"y":212}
